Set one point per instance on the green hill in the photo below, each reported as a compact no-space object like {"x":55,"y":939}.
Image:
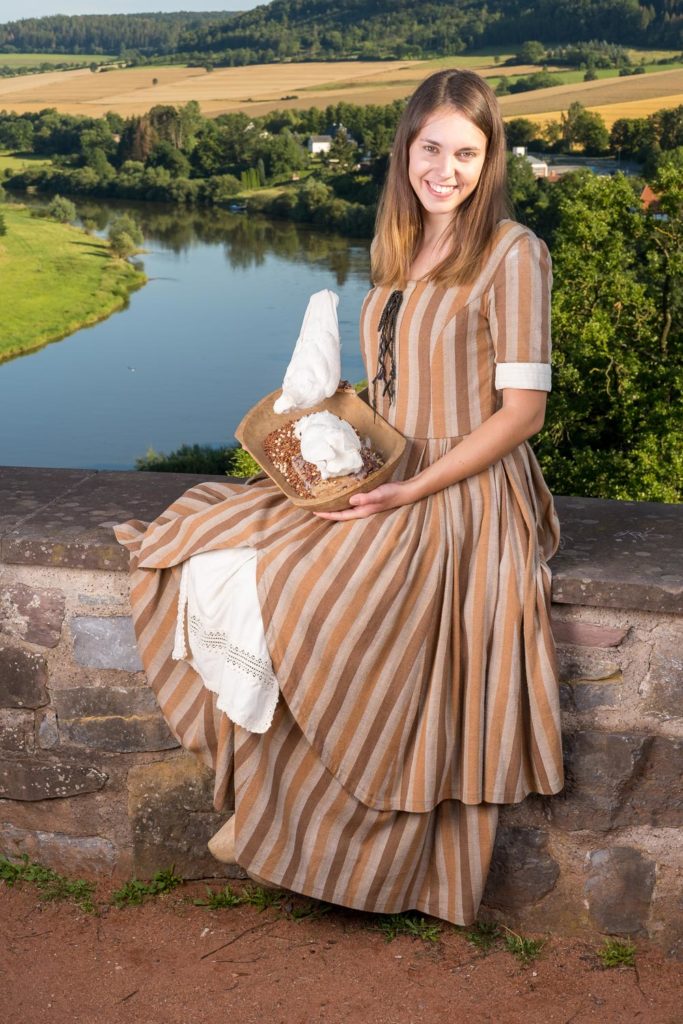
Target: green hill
{"x":370,"y":29}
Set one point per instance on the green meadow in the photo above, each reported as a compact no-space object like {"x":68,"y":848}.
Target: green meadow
{"x":54,"y":279}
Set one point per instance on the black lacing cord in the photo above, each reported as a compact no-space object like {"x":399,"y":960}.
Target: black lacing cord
{"x":387,"y":348}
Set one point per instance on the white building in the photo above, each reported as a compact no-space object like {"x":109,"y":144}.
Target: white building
{"x":319,"y":144}
{"x":538,"y":166}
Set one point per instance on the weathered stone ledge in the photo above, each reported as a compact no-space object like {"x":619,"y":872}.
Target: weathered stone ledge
{"x":612,"y":554}
{"x":93,"y":783}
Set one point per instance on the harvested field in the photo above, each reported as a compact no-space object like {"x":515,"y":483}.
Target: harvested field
{"x":612,"y":113}
{"x":654,"y":91}
{"x":259,"y":89}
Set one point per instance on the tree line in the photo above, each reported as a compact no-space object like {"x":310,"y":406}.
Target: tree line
{"x":367,"y":29}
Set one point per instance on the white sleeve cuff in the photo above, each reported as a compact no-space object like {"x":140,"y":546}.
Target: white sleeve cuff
{"x":536,"y":376}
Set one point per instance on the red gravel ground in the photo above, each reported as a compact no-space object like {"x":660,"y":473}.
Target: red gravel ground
{"x":172,"y":962}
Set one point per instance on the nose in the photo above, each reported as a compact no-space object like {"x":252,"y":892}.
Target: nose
{"x":446,"y":165}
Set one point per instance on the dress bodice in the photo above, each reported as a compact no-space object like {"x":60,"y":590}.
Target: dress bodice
{"x":448,"y":340}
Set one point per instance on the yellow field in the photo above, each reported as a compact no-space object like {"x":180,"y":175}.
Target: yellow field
{"x":651,"y":92}
{"x":261,"y":88}
{"x":257,"y":89}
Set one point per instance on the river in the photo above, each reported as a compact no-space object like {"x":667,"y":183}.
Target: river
{"x":196,"y":347}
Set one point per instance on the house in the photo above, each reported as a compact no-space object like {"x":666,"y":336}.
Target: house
{"x":538,"y":166}
{"x":319,"y":144}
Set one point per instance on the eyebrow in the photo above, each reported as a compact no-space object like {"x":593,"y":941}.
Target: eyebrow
{"x":432,"y":142}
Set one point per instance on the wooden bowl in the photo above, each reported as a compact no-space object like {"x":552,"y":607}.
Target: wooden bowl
{"x":385,"y":439}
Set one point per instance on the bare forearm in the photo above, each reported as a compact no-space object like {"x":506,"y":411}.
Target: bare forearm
{"x":520,"y":417}
{"x":498,"y":435}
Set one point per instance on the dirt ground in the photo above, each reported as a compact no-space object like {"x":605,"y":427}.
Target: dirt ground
{"x":174,"y":962}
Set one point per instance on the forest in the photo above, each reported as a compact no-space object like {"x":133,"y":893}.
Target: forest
{"x":317,"y":30}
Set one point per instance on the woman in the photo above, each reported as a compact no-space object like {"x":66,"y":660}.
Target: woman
{"x":409,"y":634}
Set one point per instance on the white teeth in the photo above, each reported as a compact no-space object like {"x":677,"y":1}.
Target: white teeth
{"x":441,"y":189}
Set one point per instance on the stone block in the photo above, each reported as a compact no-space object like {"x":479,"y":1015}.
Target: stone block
{"x":586,"y":665}
{"x":16,"y":730}
{"x":74,"y":856}
{"x":105,"y":642}
{"x":102,"y":812}
{"x":619,"y":890}
{"x":601,"y":770}
{"x":33,"y":780}
{"x":662,"y":689}
{"x":116,"y":718}
{"x":655,"y":796}
{"x":170,"y":806}
{"x":34,"y":614}
{"x":522,"y":870}
{"x":581,"y":696}
{"x":46,"y":729}
{"x":587,"y":634}
{"x":23,"y":679}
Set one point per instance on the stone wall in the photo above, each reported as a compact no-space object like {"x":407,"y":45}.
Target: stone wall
{"x":92,"y":782}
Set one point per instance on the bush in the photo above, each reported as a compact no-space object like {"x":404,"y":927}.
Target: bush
{"x":61,"y":209}
{"x":124,"y":236}
{"x":200,"y":458}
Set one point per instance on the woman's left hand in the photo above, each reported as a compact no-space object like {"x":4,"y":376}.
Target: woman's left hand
{"x":381,"y":499}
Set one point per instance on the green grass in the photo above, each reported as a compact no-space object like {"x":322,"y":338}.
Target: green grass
{"x":484,"y":935}
{"x":51,"y":886}
{"x":524,"y":949}
{"x":220,"y":899}
{"x":16,"y":161}
{"x":29,"y":60}
{"x":393,"y":925}
{"x":54,"y":279}
{"x":263,"y":899}
{"x":615,"y":953}
{"x":135,"y":892}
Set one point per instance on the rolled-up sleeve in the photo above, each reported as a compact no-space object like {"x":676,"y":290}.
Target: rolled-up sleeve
{"x":519,"y":316}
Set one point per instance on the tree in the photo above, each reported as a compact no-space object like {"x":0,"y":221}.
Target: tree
{"x":124,"y":235}
{"x":61,"y":209}
{"x":166,"y":155}
{"x":521,"y":181}
{"x":138,"y":139}
{"x":531,"y":52}
{"x":519,"y":131}
{"x":3,"y":225}
{"x":585,"y":128}
{"x":613,"y":427}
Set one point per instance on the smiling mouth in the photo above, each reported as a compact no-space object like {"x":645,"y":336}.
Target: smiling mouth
{"x":441,"y":190}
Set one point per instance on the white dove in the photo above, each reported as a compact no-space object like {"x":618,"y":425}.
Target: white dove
{"x":315,"y":367}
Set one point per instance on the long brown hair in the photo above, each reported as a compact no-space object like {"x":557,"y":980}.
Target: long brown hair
{"x":398,"y":230}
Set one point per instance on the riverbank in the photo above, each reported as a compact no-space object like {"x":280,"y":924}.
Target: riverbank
{"x":55,"y":279}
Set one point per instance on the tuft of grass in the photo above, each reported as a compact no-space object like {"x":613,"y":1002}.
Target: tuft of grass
{"x":393,"y":925}
{"x":133,"y":893}
{"x":615,"y":953}
{"x":308,"y":911}
{"x":218,"y":899}
{"x":525,"y":950}
{"x":258,"y":896}
{"x":484,"y":935}
{"x":52,"y":886}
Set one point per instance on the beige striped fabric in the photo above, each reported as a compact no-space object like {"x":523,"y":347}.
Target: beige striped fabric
{"x":413,"y":649}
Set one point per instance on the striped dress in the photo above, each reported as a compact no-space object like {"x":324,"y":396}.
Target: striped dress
{"x":412,"y":649}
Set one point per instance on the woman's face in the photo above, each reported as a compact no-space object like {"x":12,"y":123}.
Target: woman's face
{"x":445,"y":162}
